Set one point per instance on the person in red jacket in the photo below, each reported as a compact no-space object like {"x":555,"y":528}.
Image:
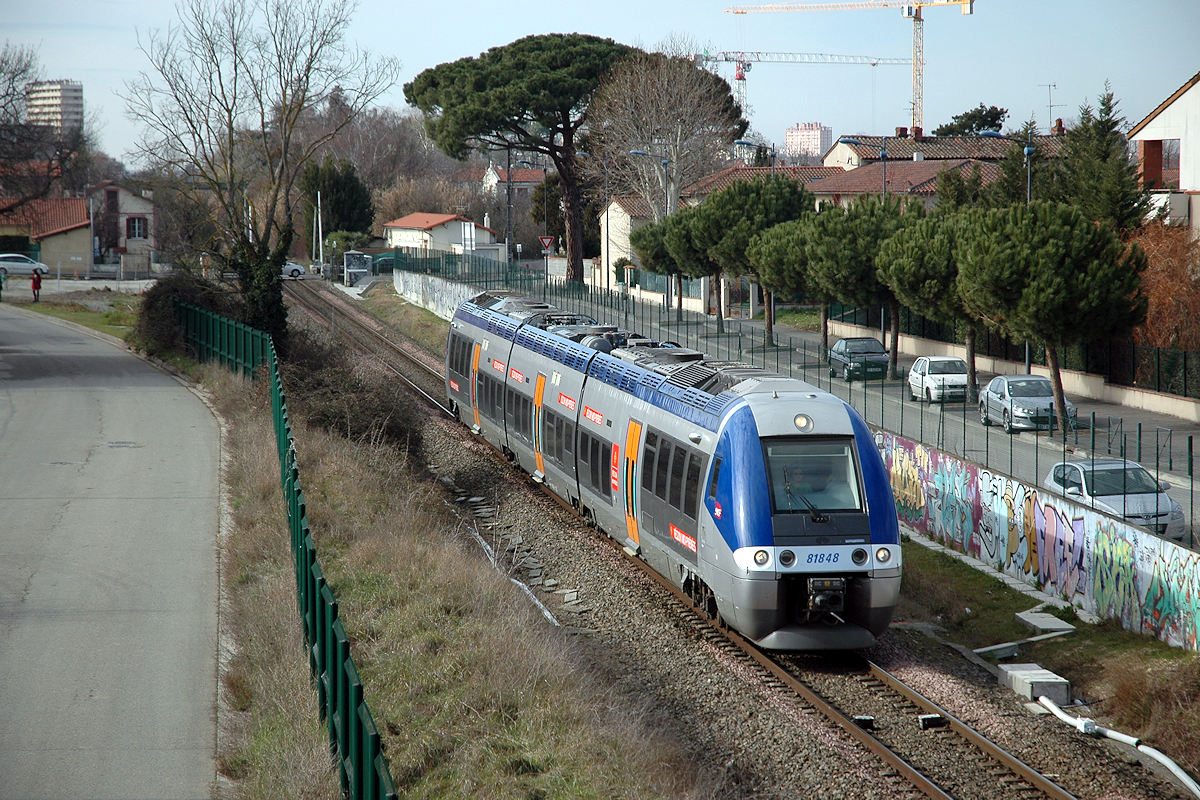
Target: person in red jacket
{"x":36,"y":285}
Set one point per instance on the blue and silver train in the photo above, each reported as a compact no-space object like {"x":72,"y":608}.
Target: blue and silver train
{"x":760,"y":495}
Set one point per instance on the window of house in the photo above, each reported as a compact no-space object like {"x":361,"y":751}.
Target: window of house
{"x":135,"y":228}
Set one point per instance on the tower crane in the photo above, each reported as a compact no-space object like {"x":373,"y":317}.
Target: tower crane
{"x":910,"y":8}
{"x":742,"y":60}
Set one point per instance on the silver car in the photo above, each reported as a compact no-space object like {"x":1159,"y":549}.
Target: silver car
{"x":292,"y":270}
{"x":940,"y":378}
{"x":1021,"y":402}
{"x":1122,"y":488}
{"x":18,"y":264}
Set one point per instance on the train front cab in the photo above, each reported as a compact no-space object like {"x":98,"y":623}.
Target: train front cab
{"x":795,"y":576}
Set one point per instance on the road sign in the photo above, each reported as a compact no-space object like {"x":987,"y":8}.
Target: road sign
{"x":547,"y":241}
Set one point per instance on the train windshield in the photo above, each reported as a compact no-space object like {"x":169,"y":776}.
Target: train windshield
{"x":812,"y":474}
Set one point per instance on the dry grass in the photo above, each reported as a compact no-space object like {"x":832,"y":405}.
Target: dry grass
{"x":472,"y":693}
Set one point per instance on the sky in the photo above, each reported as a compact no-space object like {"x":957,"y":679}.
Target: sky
{"x":1022,"y":55}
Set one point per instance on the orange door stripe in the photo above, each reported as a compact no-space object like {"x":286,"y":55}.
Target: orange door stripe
{"x":633,"y":435}
{"x":538,"y":389}
{"x":475,"y":382}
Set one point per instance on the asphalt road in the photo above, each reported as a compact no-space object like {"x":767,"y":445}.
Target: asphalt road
{"x":108,"y":571}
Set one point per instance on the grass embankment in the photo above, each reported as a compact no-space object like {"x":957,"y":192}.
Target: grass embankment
{"x":473,"y":696}
{"x":103,"y":310}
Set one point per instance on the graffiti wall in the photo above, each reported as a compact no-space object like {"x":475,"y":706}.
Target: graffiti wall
{"x":1093,"y":561}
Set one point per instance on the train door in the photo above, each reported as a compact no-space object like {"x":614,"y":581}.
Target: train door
{"x":539,"y":390}
{"x":475,"y":384}
{"x":633,"y":437}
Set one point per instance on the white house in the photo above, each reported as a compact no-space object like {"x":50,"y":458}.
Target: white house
{"x":122,"y":224}
{"x":1168,"y":149}
{"x":428,"y":233}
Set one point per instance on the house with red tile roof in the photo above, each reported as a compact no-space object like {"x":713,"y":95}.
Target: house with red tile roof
{"x":696,"y":192}
{"x":905,"y":147}
{"x":912,"y":180}
{"x":429,"y":232}
{"x":1168,"y":151}
{"x":58,"y":226}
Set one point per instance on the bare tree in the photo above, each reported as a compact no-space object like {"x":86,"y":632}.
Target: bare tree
{"x":224,"y":105}
{"x":33,"y":158}
{"x":681,"y":116}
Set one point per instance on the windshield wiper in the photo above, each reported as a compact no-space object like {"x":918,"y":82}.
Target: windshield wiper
{"x":817,"y":516}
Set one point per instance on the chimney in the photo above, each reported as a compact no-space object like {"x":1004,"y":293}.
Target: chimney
{"x":901,"y":132}
{"x":917,"y":131}
{"x":1058,"y":129}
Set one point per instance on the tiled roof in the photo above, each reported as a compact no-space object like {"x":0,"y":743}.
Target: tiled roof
{"x":48,"y":216}
{"x":468,"y":175}
{"x":940,"y":148}
{"x":522,"y":175}
{"x":903,"y":177}
{"x":635,"y":206}
{"x":424,"y":221}
{"x":726,"y":177}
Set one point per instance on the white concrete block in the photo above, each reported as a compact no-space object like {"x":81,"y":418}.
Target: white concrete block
{"x":1032,"y":681}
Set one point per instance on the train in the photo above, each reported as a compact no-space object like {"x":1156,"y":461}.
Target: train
{"x":764,"y":498}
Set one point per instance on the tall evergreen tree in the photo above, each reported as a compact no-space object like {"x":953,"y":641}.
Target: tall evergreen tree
{"x":920,"y":264}
{"x":844,"y":251}
{"x":1047,"y":273}
{"x":1097,"y":175}
{"x":732,"y":216}
{"x":532,"y":94}
{"x":345,"y":200}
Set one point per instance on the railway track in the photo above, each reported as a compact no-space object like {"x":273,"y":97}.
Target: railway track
{"x":929,"y":752}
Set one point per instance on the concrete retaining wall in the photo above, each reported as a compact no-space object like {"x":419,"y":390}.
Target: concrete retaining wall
{"x":432,"y":293}
{"x":1095,"y":562}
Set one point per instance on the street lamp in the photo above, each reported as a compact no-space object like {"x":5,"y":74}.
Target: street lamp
{"x":1028,"y":197}
{"x":666,"y":211}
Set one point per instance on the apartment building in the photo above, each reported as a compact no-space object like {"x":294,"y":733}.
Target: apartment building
{"x":58,"y":104}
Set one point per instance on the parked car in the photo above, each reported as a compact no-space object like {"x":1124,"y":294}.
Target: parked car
{"x":858,"y":357}
{"x":293,"y":270}
{"x":1122,"y":488}
{"x":1021,"y":402}
{"x":938,"y":378}
{"x":18,"y":264}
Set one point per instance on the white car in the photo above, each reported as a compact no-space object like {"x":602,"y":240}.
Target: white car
{"x":18,"y":264}
{"x":939,"y":378}
{"x":1122,"y":488}
{"x":293,"y":270}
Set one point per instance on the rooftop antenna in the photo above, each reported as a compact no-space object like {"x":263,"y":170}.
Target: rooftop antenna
{"x":1051,"y":105}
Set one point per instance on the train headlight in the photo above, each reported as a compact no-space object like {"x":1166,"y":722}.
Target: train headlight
{"x":787,"y":558}
{"x":883,"y":555}
{"x":761,"y":557}
{"x":859,"y":556}
{"x":803,"y":423}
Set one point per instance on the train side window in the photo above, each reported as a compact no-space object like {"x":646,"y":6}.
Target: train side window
{"x":692,"y":486}
{"x":661,"y":469}
{"x":568,"y":439}
{"x":716,"y":474}
{"x":678,"y":468}
{"x":648,"y":453}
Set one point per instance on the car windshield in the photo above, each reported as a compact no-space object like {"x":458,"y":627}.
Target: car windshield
{"x":1029,"y":388}
{"x":954,"y":367}
{"x":819,"y":471}
{"x":1131,"y":480}
{"x":864,"y":346}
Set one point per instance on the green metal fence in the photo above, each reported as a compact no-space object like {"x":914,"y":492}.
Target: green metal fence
{"x":353,"y":738}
